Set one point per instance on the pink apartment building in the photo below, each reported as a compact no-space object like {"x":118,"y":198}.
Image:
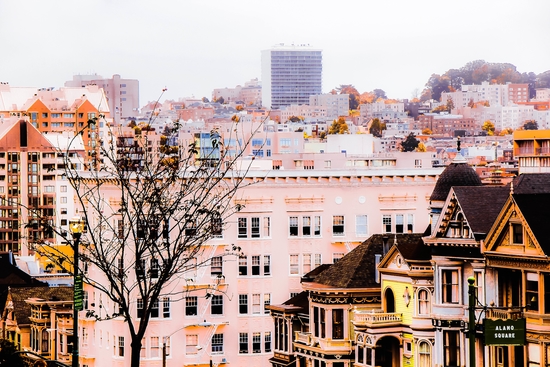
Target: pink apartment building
{"x":293,"y":220}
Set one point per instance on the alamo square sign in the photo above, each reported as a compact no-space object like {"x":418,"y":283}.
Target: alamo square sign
{"x":504,"y":332}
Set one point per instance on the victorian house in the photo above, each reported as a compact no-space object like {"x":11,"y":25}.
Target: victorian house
{"x":400,"y":331}
{"x":517,"y":265}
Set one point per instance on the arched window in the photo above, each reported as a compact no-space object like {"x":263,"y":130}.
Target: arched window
{"x":424,"y":354}
{"x":390,"y":300}
{"x":423,"y":302}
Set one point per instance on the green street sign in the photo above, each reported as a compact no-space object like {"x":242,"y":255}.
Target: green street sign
{"x":78,"y":293}
{"x":504,"y":332}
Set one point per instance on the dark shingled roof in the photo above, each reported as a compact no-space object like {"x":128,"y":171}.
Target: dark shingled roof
{"x":299,"y":300}
{"x":22,"y":309}
{"x":481,"y":205}
{"x":456,"y":174}
{"x":413,"y":247}
{"x":532,"y":183}
{"x":357,"y":268}
{"x":534,"y":209}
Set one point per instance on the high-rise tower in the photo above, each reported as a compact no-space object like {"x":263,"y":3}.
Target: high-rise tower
{"x":290,"y":74}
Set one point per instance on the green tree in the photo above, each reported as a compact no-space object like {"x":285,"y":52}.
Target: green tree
{"x":339,"y":127}
{"x":410,"y":143}
{"x":530,"y":125}
{"x":376,"y":127}
{"x":489,"y":127}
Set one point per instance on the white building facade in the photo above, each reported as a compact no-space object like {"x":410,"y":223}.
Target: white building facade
{"x":290,"y":75}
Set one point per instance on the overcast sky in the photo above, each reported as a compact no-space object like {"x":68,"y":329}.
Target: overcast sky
{"x":193,"y":46}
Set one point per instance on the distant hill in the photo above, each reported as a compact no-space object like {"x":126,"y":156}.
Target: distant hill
{"x":479,"y":71}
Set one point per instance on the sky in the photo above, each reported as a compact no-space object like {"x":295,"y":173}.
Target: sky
{"x":191,"y":47}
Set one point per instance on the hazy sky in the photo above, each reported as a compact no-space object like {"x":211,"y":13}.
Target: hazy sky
{"x":193,"y":46}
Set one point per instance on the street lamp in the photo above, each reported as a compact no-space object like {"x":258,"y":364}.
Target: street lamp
{"x":76,"y":226}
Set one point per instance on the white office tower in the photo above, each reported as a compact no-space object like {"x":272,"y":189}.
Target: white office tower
{"x":290,"y":74}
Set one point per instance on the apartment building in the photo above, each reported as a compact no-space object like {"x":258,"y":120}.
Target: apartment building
{"x":532,"y":150}
{"x":122,"y":95}
{"x":290,"y":75}
{"x":70,"y":110}
{"x":249,"y":94}
{"x":336,"y":105}
{"x":31,"y":180}
{"x":291,"y":221}
{"x":446,"y":124}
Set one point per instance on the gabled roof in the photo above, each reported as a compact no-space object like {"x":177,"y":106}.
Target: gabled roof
{"x":534,"y":209}
{"x":357,"y":268}
{"x":481,"y":205}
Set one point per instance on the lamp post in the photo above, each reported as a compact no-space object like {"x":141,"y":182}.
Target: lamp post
{"x":472,"y":320}
{"x":76,"y":225}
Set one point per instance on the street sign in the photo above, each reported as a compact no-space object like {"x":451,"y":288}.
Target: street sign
{"x":78,"y":293}
{"x":504,"y":332}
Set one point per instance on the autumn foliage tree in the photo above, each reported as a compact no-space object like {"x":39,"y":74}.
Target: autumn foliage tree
{"x":489,"y":127}
{"x":339,"y":127}
{"x":376,"y":127}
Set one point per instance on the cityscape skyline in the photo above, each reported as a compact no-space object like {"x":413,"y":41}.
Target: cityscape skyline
{"x":193,"y":48}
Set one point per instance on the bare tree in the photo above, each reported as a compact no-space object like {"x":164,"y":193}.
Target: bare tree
{"x":149,"y":210}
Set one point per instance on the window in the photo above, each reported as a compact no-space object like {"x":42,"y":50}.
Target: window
{"x":306,"y":263}
{"x":267,"y":301}
{"x":154,"y":270}
{"x":338,"y":323}
{"x":361,"y":226}
{"x":63,"y":200}
{"x":546,"y":288}
{"x":317,"y":260}
{"x":517,"y":234}
{"x":155,"y":347}
{"x":306,"y":226}
{"x":216,"y":307}
{"x":294,"y":265}
{"x":217,"y":343}
{"x":191,"y":306}
{"x":410,"y":223}
{"x":63,"y":188}
{"x":243,"y":343}
{"x":386,"y":223}
{"x":267,"y":342}
{"x":451,"y":348}
{"x":449,"y":283}
{"x":255,"y":227}
{"x":139,"y":304}
{"x":191,"y":343}
{"x":216,"y":266}
{"x":293,"y":226}
{"x":317,"y":225}
{"x":243,"y":304}
{"x":255,"y":265}
{"x":243,"y":231}
{"x":337,"y":256}
{"x":256,"y":342}
{"x":399,"y":225}
{"x":243,"y":265}
{"x":121,"y":346}
{"x":166,"y":307}
{"x":532,"y":291}
{"x":423,"y":302}
{"x":424,"y":354}
{"x":267,"y":264}
{"x":338,"y":225}
{"x":155,"y":309}
{"x":256,"y":303}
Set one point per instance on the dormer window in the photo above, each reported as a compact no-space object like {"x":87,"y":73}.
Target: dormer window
{"x":517,"y":234}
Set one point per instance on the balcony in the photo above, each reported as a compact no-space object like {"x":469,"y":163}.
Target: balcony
{"x":325,"y":344}
{"x":377,"y":318}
